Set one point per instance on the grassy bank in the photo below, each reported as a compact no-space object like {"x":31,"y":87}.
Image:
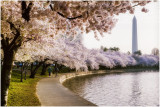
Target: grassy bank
{"x":23,"y":93}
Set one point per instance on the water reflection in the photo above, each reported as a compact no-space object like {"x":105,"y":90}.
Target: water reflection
{"x":135,"y":91}
{"x":126,"y":89}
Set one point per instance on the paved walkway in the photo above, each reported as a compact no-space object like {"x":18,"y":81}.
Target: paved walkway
{"x":51,"y":93}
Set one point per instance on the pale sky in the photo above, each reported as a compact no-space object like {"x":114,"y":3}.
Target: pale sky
{"x":121,"y":35}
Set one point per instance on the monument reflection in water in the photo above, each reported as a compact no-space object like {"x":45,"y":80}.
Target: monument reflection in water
{"x":125,"y":89}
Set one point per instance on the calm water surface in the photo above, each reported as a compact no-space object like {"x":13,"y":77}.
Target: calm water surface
{"x":125,"y":89}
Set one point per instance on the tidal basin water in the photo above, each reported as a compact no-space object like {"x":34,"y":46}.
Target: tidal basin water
{"x":119,"y":89}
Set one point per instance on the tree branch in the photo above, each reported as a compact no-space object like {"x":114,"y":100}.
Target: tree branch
{"x":70,"y":18}
{"x":26,"y":10}
{"x":13,"y":27}
{"x":17,"y":34}
{"x":4,"y":44}
{"x":51,"y":7}
{"x":16,"y":46}
{"x":28,"y":39}
{"x":23,"y":6}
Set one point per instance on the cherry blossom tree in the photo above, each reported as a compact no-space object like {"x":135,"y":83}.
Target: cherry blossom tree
{"x":66,"y":52}
{"x":147,"y":60}
{"x":17,"y":28}
{"x":30,"y":52}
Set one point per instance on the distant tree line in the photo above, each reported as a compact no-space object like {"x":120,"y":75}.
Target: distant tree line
{"x":105,"y":49}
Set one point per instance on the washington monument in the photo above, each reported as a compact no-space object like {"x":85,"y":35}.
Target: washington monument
{"x":134,"y":35}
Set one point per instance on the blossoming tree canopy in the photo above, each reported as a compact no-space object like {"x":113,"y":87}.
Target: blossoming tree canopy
{"x":87,"y":15}
{"x":94,"y":15}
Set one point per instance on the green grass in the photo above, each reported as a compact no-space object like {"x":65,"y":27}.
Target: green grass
{"x":23,"y":93}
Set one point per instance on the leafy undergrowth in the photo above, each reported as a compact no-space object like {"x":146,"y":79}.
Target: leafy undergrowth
{"x":23,"y":93}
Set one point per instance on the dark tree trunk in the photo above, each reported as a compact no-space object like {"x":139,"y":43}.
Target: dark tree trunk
{"x":9,"y":49}
{"x":31,"y":66}
{"x":9,"y":54}
{"x":25,"y":75}
{"x":6,"y":75}
{"x":21,"y":73}
{"x":44,"y":69}
{"x":60,"y":67}
{"x":25,"y":68}
{"x":1,"y":62}
{"x":33,"y":71}
{"x":56,"y":69}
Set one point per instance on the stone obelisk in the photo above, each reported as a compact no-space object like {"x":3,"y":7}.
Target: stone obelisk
{"x":134,"y":35}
